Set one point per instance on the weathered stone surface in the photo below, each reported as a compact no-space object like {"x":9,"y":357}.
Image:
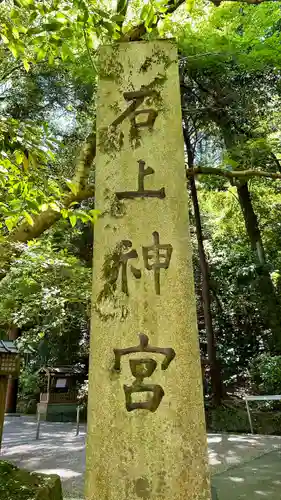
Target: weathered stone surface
{"x":141,"y":454}
{"x":19,"y":484}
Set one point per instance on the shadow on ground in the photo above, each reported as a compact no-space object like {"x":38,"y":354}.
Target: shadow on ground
{"x":258,"y":479}
{"x":243,"y":466}
{"x":58,"y":450}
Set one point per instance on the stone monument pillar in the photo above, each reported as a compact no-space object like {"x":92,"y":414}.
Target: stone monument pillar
{"x":146,"y":428}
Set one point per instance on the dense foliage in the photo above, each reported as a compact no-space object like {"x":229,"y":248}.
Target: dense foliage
{"x":231,"y":88}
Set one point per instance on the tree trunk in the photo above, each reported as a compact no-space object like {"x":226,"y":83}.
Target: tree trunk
{"x":12,"y":389}
{"x":269,"y":302}
{"x":211,"y":342}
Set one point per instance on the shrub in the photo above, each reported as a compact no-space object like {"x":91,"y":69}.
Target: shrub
{"x":29,"y":384}
{"x":83,"y":394}
{"x":265,"y":374}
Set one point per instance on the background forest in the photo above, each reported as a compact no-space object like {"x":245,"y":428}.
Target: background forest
{"x":229,"y":64}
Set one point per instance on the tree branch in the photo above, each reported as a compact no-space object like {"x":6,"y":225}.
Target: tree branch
{"x":84,"y":162}
{"x":137,"y":32}
{"x":234,"y":174}
{"x":25,"y":232}
{"x":46,"y":219}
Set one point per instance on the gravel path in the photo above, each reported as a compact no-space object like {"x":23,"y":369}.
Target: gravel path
{"x":60,"y":451}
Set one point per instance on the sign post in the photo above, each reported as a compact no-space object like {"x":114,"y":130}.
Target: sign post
{"x":146,"y":427}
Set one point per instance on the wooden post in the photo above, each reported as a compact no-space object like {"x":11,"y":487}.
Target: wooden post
{"x":146,"y":435}
{"x":3,"y":394}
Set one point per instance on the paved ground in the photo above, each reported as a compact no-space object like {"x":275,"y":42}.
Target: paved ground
{"x":242,"y":467}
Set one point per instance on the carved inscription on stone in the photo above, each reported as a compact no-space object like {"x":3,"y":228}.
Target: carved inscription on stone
{"x":155,"y":257}
{"x":142,"y":368}
{"x":141,"y":192}
{"x":139,"y":118}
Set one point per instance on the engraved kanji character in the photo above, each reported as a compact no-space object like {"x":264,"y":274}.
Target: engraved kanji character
{"x":137,"y":97}
{"x":124,"y":258}
{"x":155,"y":260}
{"x":143,"y":368}
{"x":141,"y":192}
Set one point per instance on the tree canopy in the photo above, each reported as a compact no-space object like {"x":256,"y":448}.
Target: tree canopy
{"x":229,"y":67}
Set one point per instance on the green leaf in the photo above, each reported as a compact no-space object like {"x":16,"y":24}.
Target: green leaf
{"x":14,"y":50}
{"x":32,"y":17}
{"x":19,"y":157}
{"x":72,"y":186}
{"x":109,"y":26}
{"x":36,"y":31}
{"x":86,"y":16}
{"x":51,"y":58}
{"x":61,"y":17}
{"x":102,"y":13}
{"x":10,"y":223}
{"x":67,"y":33}
{"x":14,"y":14}
{"x":73,"y":220}
{"x":65,"y":52}
{"x":26,"y":65}
{"x":94,"y":214}
{"x":122,"y":6}
{"x":144,"y":12}
{"x":190,"y":5}
{"x":84,"y":216}
{"x":117,"y":18}
{"x":41,"y":54}
{"x":150,"y":16}
{"x":53,"y":26}
{"x":5,"y":39}
{"x":50,"y":154}
{"x":15,"y":33}
{"x":55,"y":207}
{"x":27,"y":3}
{"x":22,"y":29}
{"x":64,"y":213}
{"x":28,"y":218}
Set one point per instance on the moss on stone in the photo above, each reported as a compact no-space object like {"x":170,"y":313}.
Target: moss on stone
{"x":19,"y":484}
{"x":110,"y":68}
{"x":158,"y":57}
{"x":109,"y":303}
{"x":111,"y":140}
{"x":115,"y":107}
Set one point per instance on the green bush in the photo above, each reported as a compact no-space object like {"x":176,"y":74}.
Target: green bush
{"x":265,"y":374}
{"x":229,"y":419}
{"x":29,"y":384}
{"x":83,"y":394}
